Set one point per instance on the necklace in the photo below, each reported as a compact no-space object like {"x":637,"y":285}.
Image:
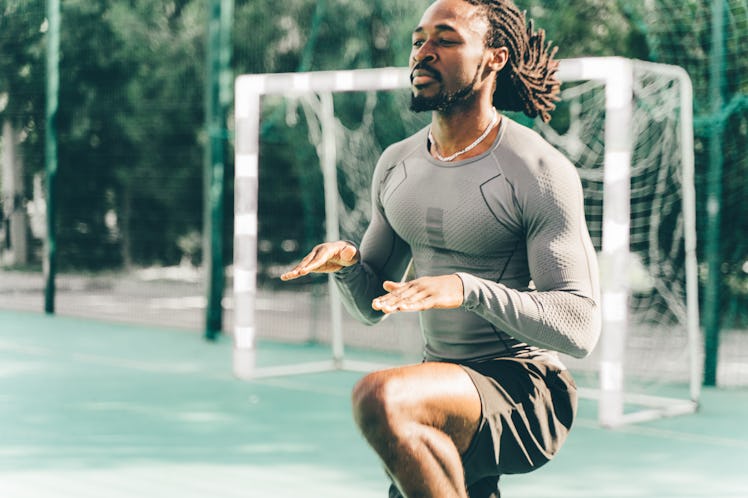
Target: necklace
{"x":469,"y":147}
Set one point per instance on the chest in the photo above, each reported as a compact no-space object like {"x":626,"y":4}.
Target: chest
{"x":469,"y":209}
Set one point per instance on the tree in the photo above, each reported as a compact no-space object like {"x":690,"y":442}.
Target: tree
{"x":21,"y":116}
{"x":158,"y":183}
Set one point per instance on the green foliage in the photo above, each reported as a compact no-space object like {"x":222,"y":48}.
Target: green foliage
{"x":160,"y":178}
{"x":130,"y":123}
{"x":586,"y":28}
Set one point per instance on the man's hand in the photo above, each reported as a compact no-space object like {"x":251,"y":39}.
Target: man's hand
{"x":442,"y":292}
{"x":325,"y":258}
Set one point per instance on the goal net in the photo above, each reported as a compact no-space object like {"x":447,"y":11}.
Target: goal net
{"x":625,"y":124}
{"x":629,"y":131}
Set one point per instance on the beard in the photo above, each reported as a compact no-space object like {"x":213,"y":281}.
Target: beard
{"x":444,"y":101}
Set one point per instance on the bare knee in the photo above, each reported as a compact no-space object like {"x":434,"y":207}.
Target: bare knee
{"x":378,"y":405}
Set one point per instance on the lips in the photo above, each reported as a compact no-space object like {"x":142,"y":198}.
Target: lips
{"x":422,"y":80}
{"x":422,"y":76}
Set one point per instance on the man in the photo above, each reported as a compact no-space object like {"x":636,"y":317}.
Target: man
{"x":491,"y":219}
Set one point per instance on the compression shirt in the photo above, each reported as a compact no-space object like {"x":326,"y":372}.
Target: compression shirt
{"x":509,"y":222}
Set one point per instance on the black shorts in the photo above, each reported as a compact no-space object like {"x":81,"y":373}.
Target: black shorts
{"x":528,"y":408}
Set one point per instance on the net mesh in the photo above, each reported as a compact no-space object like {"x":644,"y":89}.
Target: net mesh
{"x":359,"y":142}
{"x":657,"y":344}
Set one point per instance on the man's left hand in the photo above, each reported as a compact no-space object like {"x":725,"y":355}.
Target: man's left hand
{"x":442,"y":292}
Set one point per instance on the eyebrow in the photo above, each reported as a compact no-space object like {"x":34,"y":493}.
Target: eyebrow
{"x":439,"y":27}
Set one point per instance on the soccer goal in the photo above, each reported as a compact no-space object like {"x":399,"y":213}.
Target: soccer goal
{"x":627,"y":125}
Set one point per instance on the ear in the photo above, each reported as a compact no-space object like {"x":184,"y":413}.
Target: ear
{"x":499,"y":58}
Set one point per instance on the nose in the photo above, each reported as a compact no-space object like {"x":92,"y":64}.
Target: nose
{"x":423,"y":54}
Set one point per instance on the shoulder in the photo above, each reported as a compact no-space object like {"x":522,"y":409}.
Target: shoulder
{"x":405,"y":148}
{"x":399,"y":152}
{"x":528,"y":159}
{"x":525,"y":151}
{"x":542,"y":178}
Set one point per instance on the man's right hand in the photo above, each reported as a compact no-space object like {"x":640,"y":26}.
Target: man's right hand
{"x":325,"y":258}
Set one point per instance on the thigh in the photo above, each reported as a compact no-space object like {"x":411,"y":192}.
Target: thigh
{"x":441,"y":395}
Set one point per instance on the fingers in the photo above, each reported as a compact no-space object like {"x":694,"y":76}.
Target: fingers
{"x":390,"y":286}
{"x":328,"y":257}
{"x":312,"y":261}
{"x":440,"y":292}
{"x":407,"y":296}
{"x":349,"y":254}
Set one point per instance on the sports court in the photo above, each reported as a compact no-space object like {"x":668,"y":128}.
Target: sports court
{"x":94,"y":408}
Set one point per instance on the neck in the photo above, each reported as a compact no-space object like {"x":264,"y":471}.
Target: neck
{"x":459,"y":128}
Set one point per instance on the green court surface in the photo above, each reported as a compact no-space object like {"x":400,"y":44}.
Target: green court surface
{"x":91,"y":409}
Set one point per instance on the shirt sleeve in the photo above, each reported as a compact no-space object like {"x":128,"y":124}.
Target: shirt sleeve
{"x":562,"y":312}
{"x":383,"y":256}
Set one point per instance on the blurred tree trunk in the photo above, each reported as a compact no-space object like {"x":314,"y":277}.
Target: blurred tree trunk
{"x":14,"y":215}
{"x":125,"y":226}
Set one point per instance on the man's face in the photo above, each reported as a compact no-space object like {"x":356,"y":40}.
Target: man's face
{"x":447,"y":56}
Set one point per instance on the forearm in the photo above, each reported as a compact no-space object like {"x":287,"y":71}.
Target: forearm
{"x":358,"y":285}
{"x":382,"y":256}
{"x":562,"y":320}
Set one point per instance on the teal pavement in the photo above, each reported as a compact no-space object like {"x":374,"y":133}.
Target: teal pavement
{"x":92,"y":409}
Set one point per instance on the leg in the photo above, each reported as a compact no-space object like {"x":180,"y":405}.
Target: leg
{"x":485,"y":488}
{"x":420,"y":419}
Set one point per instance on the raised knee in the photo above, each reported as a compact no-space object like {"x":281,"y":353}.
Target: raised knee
{"x":369,"y":400}
{"x":377,"y":404}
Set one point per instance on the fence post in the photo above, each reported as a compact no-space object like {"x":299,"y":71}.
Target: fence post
{"x":217,"y":101}
{"x":50,"y":150}
{"x":714,"y":197}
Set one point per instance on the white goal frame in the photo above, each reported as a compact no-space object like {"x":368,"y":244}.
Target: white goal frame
{"x":617,"y":75}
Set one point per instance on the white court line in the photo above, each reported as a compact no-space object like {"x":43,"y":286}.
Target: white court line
{"x":641,"y":430}
{"x":173,"y":369}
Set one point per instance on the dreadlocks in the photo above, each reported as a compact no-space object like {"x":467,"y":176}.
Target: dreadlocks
{"x":528,"y":81}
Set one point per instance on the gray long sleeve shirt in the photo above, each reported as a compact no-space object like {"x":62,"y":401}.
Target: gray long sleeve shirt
{"x":509,"y":222}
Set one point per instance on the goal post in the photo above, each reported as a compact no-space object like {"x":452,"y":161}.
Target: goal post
{"x":618,"y":80}
{"x":619,"y":75}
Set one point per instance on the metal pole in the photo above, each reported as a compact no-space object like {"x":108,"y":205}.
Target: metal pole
{"x":689,"y":219}
{"x":714,"y":197}
{"x":50,"y":149}
{"x":615,"y":243}
{"x":246,"y":166}
{"x":329,"y":162}
{"x":218,"y":99}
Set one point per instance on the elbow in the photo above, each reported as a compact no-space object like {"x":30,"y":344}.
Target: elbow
{"x":578,"y":348}
{"x":584,"y":337}
{"x":580,"y":351}
{"x":589,"y":335}
{"x":582,"y":348}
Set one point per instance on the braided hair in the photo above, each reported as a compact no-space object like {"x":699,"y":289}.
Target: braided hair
{"x":528,"y":82}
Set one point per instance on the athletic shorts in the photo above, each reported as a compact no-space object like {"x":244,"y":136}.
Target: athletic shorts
{"x":528,"y":408}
